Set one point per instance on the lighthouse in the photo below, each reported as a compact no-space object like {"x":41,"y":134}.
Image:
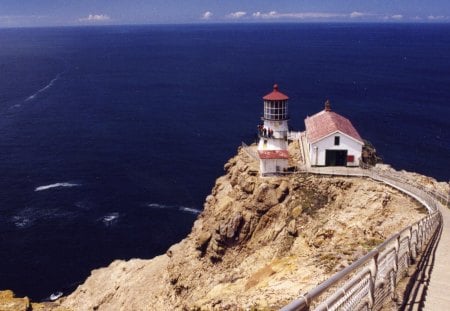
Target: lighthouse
{"x":272,"y":146}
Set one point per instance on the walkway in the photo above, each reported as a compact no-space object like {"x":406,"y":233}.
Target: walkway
{"x":438,"y":293}
{"x":431,"y":289}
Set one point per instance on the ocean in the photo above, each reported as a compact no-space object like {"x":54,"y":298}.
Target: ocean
{"x":111,"y":137}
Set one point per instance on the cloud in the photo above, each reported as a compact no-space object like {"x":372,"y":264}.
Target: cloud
{"x":397,"y":16}
{"x":207,"y":15}
{"x":358,"y":14}
{"x":299,"y":15}
{"x":95,"y":18}
{"x":436,"y":17}
{"x":237,"y":15}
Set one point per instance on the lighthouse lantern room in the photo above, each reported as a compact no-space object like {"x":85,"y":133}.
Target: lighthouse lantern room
{"x":272,"y":146}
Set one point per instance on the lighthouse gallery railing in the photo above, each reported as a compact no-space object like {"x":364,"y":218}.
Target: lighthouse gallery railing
{"x":370,"y":282}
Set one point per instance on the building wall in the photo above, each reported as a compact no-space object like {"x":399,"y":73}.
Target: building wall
{"x":268,"y":166}
{"x":280,"y":128}
{"x":317,"y":149}
{"x":272,"y":144}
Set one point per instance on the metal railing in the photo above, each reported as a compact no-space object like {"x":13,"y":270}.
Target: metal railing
{"x":293,"y":135}
{"x":370,"y":282}
{"x":250,"y":151}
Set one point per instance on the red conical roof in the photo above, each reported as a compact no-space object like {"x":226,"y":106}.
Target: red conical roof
{"x":275,"y":94}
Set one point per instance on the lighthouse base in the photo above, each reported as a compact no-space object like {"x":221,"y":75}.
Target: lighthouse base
{"x":273,"y":161}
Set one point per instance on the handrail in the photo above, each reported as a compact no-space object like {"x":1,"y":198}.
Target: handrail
{"x":250,"y":152}
{"x":385,"y":264}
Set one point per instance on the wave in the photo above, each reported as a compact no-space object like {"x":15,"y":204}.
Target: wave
{"x":173,"y":207}
{"x":55,"y":296}
{"x":190,"y":210}
{"x":27,"y":217}
{"x":84,"y":205}
{"x":110,"y":219}
{"x":156,"y":205}
{"x":57,"y":185}
{"x":22,"y":221}
{"x":49,"y":85}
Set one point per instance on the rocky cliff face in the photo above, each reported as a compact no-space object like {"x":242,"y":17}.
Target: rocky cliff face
{"x":259,"y":243}
{"x":9,"y":302}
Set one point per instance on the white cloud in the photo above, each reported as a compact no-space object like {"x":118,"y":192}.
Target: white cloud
{"x":207,"y":15}
{"x":397,"y":16}
{"x":436,"y":17}
{"x":237,"y":15}
{"x":95,"y":18}
{"x":299,"y":15}
{"x":358,"y":14}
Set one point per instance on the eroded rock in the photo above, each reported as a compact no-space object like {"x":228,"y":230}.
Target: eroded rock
{"x":258,"y":243}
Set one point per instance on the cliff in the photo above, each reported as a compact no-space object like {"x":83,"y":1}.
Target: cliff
{"x":9,"y":302}
{"x":259,"y":243}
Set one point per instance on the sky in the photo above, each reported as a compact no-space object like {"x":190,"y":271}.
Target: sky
{"x":38,"y":13}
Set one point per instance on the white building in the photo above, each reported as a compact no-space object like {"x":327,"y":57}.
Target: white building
{"x":272,"y":146}
{"x":332,"y":139}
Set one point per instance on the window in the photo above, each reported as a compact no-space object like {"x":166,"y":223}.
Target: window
{"x":336,"y":140}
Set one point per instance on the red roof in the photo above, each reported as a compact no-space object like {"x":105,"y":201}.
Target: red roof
{"x":273,"y":154}
{"x":275,"y":95}
{"x":325,"y":123}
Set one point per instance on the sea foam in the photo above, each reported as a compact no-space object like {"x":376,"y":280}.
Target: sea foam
{"x":173,"y":207}
{"x":190,"y":210}
{"x":57,"y":185}
{"x":49,"y":85}
{"x":110,"y":219}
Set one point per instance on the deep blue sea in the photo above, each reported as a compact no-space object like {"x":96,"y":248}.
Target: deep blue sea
{"x":112,"y":137}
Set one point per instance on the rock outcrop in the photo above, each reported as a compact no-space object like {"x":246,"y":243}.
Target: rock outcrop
{"x":9,"y":302}
{"x":259,"y":243}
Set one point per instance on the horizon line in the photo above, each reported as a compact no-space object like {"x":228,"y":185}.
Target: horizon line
{"x":241,"y":22}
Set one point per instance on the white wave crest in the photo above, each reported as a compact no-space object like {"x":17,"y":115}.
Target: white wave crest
{"x":156,"y":205}
{"x":110,"y":219}
{"x":180,"y":208}
{"x":55,"y":296}
{"x":49,"y":85}
{"x":57,"y":185}
{"x":190,"y":210}
{"x":22,"y":221}
{"x":28,"y":216}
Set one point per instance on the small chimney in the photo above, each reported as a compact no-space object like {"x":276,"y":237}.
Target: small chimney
{"x":327,"y":105}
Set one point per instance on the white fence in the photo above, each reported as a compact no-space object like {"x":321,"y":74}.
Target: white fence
{"x":250,"y":151}
{"x":369,"y":282}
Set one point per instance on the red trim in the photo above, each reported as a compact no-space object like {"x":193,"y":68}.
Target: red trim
{"x":273,"y":154}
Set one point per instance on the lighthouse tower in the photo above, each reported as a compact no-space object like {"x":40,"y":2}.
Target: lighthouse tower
{"x":272,"y":146}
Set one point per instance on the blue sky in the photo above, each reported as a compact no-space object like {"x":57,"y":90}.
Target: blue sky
{"x":26,"y":13}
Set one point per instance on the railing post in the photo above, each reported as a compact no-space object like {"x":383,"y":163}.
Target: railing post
{"x":418,"y":236}
{"x":373,"y":278}
{"x":410,"y":247}
{"x":394,"y":280}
